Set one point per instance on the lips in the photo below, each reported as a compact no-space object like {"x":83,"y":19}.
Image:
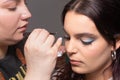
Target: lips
{"x":23,"y":27}
{"x":75,"y":62}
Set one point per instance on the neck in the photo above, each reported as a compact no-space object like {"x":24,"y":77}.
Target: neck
{"x":3,"y":51}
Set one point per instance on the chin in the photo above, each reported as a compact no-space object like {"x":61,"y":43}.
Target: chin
{"x":12,"y":40}
{"x":19,"y":37}
{"x":79,"y":70}
{"x":16,"y":40}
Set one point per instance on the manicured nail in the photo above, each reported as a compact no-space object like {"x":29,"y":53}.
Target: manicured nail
{"x":59,"y":53}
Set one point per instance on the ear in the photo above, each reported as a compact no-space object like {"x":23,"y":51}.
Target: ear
{"x":117,"y":37}
{"x":117,"y":44}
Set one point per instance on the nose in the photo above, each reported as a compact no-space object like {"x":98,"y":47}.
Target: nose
{"x":26,"y":14}
{"x":70,"y":47}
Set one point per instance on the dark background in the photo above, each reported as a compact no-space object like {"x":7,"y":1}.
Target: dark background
{"x":46,"y":14}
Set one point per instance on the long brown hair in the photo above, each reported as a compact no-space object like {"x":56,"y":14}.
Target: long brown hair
{"x":106,"y":16}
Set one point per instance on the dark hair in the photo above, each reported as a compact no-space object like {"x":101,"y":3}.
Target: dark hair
{"x":106,"y":16}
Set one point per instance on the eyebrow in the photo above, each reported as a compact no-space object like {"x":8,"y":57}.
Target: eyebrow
{"x":82,"y":34}
{"x":85,"y":35}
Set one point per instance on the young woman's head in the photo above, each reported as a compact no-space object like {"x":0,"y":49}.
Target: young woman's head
{"x":14,"y":17}
{"x":92,"y":35}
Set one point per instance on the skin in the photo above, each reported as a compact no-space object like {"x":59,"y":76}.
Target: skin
{"x":89,"y":52}
{"x":14,"y":17}
{"x":40,"y":46}
{"x":16,"y":14}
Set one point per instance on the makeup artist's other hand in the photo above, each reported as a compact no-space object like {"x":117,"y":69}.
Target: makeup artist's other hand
{"x":41,"y":54}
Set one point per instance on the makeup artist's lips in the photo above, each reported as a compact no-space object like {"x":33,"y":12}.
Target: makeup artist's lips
{"x":75,"y":62}
{"x":22,"y":28}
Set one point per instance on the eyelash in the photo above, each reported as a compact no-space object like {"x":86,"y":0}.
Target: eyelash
{"x":12,"y":9}
{"x":87,"y":42}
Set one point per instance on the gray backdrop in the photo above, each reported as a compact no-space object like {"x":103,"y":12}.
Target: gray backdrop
{"x":46,"y":14}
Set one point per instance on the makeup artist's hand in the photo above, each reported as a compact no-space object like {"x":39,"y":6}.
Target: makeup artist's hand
{"x":41,"y":54}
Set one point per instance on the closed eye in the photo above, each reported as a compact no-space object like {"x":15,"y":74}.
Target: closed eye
{"x":12,"y":8}
{"x":87,"y":41}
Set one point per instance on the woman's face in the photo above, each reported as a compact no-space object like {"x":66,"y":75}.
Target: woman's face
{"x":87,"y":49}
{"x":14,"y":17}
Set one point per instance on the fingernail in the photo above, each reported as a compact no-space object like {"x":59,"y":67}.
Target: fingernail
{"x":60,"y":53}
{"x":60,"y":38}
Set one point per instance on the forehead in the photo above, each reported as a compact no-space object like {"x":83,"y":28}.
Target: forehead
{"x":78,"y":23}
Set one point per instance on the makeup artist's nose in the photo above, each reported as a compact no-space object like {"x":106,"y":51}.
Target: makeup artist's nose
{"x":26,"y":14}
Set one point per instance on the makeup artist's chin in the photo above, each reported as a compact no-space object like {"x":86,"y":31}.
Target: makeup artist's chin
{"x":21,"y":31}
{"x":19,"y":36}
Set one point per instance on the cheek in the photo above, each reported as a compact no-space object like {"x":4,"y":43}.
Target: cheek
{"x":8,"y":22}
{"x":97,"y":55}
{"x":98,"y":50}
{"x":8,"y":25}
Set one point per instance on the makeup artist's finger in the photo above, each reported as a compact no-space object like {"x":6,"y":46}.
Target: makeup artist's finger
{"x":42,"y":36}
{"x":57,"y":44}
{"x":33,"y":35}
{"x":50,"y":40}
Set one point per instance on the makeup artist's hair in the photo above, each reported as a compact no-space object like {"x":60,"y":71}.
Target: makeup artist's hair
{"x":106,"y":16}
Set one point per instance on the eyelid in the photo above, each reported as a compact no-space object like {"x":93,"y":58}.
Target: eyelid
{"x":9,"y":4}
{"x":12,"y":9}
{"x":87,"y":41}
